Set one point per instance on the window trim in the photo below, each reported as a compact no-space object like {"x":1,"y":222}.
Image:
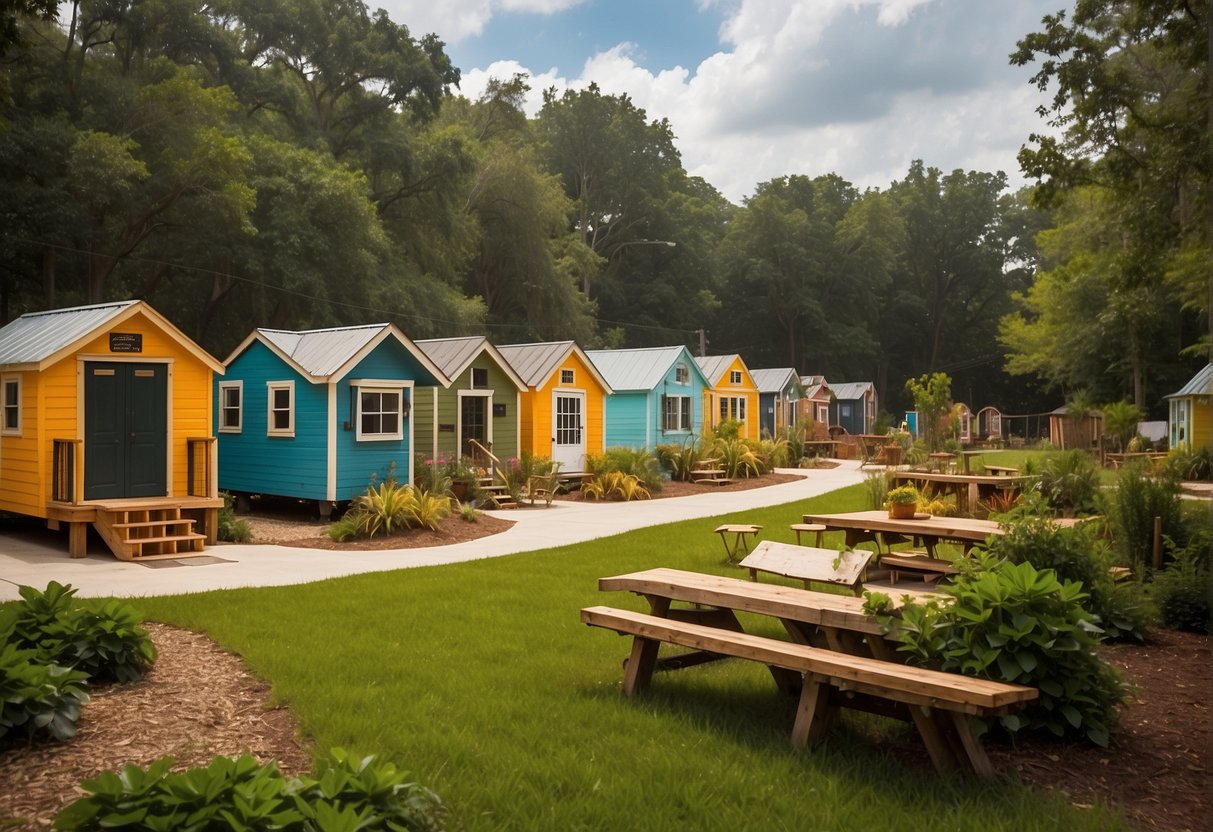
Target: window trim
{"x":682,"y":413}
{"x":682,"y":374}
{"x":472,"y":379}
{"x":730,"y":405}
{"x":570,"y":378}
{"x":402,"y":411}
{"x":238,"y":386}
{"x":16,"y":381}
{"x":734,"y":376}
{"x":270,"y":388}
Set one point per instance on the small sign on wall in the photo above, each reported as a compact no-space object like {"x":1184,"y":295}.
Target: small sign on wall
{"x":446,"y":427}
{"x":126,"y":342}
{"x":498,"y":410}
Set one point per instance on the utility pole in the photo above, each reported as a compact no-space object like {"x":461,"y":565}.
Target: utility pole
{"x":703,"y":343}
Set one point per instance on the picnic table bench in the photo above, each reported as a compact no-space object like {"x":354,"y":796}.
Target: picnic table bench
{"x":824,"y":664}
{"x":1001,"y":471}
{"x":809,"y":564}
{"x":928,"y":568}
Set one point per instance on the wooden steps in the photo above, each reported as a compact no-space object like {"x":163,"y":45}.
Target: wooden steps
{"x":497,"y":492}
{"x":148,"y":530}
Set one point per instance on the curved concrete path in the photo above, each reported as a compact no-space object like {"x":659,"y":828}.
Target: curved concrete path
{"x":35,"y":561}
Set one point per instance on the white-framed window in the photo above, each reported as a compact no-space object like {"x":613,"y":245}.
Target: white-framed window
{"x":567,"y":377}
{"x":734,"y":376}
{"x":381,"y":412}
{"x":231,"y":406}
{"x":10,"y":406}
{"x":682,"y":374}
{"x":823,"y":413}
{"x":732,"y":407}
{"x":280,"y":416}
{"x":676,"y":413}
{"x":480,"y":378}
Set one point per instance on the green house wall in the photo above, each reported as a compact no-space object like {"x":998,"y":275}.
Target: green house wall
{"x":437,"y":409}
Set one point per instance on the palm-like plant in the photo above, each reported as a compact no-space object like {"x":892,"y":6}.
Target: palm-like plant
{"x":736,"y":458}
{"x":1120,"y":420}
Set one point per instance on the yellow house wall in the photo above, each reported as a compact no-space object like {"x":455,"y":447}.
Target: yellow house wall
{"x":746,"y":390}
{"x":536,"y":410}
{"x":1202,"y":421}
{"x":55,"y":409}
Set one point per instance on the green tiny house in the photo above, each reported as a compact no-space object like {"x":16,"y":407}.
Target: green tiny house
{"x":481,"y":403}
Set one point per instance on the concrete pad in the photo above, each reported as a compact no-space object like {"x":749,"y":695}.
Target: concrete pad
{"x":35,"y":559}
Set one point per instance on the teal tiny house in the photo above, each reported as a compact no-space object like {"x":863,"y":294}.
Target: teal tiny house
{"x":315,"y":414}
{"x":657,"y":396}
{"x":481,"y":405}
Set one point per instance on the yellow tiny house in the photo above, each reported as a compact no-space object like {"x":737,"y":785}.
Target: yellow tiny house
{"x":106,"y":420}
{"x":733,"y":394}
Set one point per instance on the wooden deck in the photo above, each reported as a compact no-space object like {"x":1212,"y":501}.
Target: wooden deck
{"x":143,"y":528}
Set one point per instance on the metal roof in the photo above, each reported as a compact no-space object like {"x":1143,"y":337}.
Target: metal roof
{"x":453,"y":355}
{"x":1200,"y":385}
{"x":38,"y":335}
{"x":639,"y":369}
{"x":814,"y":385}
{"x":321,"y":354}
{"x":848,"y":390}
{"x":714,"y":366}
{"x":774,"y":380}
{"x":535,"y":363}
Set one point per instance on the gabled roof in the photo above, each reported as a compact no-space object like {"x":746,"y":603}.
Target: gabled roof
{"x":453,"y":355}
{"x":641,"y":369}
{"x":1200,"y":385}
{"x":535,"y":363}
{"x":814,"y":386}
{"x":321,"y":355}
{"x":715,"y":366}
{"x":774,"y":380}
{"x":848,"y":390}
{"x":38,"y":339}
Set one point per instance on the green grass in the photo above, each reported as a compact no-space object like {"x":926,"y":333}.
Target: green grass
{"x":480,"y":679}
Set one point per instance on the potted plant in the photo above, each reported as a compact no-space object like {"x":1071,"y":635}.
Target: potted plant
{"x":902,"y":502}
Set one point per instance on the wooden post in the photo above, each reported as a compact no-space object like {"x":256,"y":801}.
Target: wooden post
{"x":1157,"y":544}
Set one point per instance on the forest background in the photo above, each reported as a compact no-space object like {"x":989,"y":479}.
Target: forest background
{"x":310,"y":163}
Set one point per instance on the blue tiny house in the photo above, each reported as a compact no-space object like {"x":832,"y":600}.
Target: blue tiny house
{"x":779,"y":394}
{"x":854,"y":406}
{"x":315,"y":414}
{"x":657,"y":399}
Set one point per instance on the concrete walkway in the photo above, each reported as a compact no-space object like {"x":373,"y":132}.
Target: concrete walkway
{"x":35,"y":560}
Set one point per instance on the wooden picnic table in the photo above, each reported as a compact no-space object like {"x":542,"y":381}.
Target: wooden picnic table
{"x":809,"y":564}
{"x":837,"y":657}
{"x":709,"y":476}
{"x":821,"y":447}
{"x":740,"y":532}
{"x":969,"y":489}
{"x":862,"y":526}
{"x":941,"y":459}
{"x":966,"y":458}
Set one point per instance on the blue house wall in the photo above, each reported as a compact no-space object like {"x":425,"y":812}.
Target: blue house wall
{"x":634,"y":417}
{"x":627,"y":419}
{"x":252,"y":461}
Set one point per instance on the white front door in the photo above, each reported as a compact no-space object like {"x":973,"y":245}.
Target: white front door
{"x":568,"y":430}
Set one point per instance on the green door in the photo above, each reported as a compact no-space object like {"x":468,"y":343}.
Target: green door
{"x":125,"y":430}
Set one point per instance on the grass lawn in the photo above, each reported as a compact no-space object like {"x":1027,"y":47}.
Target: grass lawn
{"x":480,"y":679}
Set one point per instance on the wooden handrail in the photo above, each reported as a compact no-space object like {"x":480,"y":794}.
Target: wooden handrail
{"x":67,"y":470}
{"x":494,"y":463}
{"x":201,"y":475}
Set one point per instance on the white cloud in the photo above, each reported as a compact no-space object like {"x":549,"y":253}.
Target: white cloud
{"x":455,"y":20}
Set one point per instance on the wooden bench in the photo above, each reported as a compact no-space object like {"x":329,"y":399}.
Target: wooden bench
{"x":709,"y":476}
{"x":1002,"y":471}
{"x":740,"y":532}
{"x":805,"y":528}
{"x":928,"y":568}
{"x":937,"y":703}
{"x":809,"y":564}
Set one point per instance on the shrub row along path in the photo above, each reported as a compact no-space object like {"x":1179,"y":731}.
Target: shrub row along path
{"x":34,"y":557}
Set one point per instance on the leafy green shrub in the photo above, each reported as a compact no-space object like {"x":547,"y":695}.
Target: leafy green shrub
{"x":641,"y":464}
{"x":615,"y":485}
{"x":1013,"y":623}
{"x":876,"y":487}
{"x":680,"y":460}
{"x":389,"y":507}
{"x":1076,"y":553}
{"x":736,"y":458}
{"x":1068,"y":480}
{"x":1132,"y":507}
{"x":230,"y":527}
{"x":773,"y":453}
{"x":102,"y":639}
{"x":37,"y":696}
{"x":240,"y":793}
{"x":1184,"y":590}
{"x":727,"y":429}
{"x":1190,"y":463}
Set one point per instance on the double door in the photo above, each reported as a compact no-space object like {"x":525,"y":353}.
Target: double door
{"x":125,"y":430}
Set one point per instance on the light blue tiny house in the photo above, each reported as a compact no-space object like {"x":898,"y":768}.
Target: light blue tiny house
{"x":315,"y":414}
{"x":657,"y":399}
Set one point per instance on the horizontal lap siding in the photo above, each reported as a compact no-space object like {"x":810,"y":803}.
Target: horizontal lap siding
{"x":360,"y":461}
{"x":505,"y":427}
{"x":423,"y":421}
{"x":20,"y":464}
{"x":253,"y":462}
{"x":626,"y":418}
{"x":670,"y":387}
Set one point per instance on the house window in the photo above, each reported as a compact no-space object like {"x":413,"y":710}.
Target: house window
{"x":823,"y":413}
{"x":734,"y":376}
{"x":380,"y":413}
{"x":231,"y":395}
{"x":682,"y":374}
{"x":732,"y":407}
{"x":11,"y":425}
{"x":676,"y":413}
{"x":567,"y":377}
{"x":281,"y":417}
{"x":480,"y":378}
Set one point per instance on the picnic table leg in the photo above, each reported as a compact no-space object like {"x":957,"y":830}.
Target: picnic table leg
{"x":638,"y":669}
{"x":970,"y":746}
{"x":938,"y":746}
{"x":814,"y":713}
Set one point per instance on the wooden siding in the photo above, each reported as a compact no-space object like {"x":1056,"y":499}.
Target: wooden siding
{"x":536,"y":410}
{"x":628,"y":419}
{"x":253,"y":462}
{"x":725,"y":389}
{"x":51,"y":406}
{"x":358,"y":461}
{"x":505,"y":428}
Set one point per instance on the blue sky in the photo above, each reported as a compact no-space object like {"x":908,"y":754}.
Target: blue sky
{"x":756,"y":89}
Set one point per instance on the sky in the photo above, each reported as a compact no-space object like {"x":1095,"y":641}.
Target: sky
{"x":757,"y":89}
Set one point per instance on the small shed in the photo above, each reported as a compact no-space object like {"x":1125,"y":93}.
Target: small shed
{"x":733,"y":394}
{"x":853,"y":406}
{"x":657,"y":395}
{"x":779,"y":393}
{"x":479,"y":410}
{"x":989,"y":424}
{"x":814,"y":406}
{"x":1190,"y":412}
{"x":106,"y":422}
{"x":564,"y":407}
{"x":316,"y":414}
{"x":1071,"y":430}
